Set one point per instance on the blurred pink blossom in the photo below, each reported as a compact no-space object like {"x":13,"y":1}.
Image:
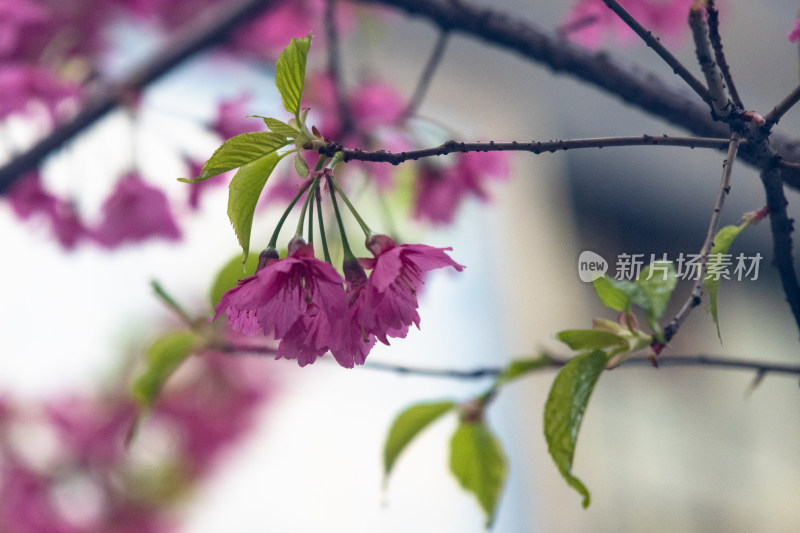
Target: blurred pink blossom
{"x":135,"y":211}
{"x":590,"y":20}
{"x":440,"y":191}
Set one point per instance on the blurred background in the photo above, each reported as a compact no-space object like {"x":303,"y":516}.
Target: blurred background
{"x":690,"y":449}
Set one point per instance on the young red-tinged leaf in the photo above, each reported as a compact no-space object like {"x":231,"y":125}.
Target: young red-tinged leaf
{"x":244,"y":191}
{"x":290,"y":73}
{"x":564,"y":410}
{"x":163,"y":357}
{"x":406,"y":426}
{"x":240,"y":151}
{"x":722,"y":243}
{"x":478,"y":462}
{"x":589,"y":339}
{"x":231,"y":273}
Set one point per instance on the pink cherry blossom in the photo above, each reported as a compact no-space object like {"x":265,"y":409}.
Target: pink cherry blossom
{"x":387,"y":303}
{"x":135,"y":211}
{"x":17,"y":17}
{"x":590,"y":20}
{"x":441,"y":191}
{"x":297,"y":300}
{"x":23,"y":84}
{"x":28,"y":198}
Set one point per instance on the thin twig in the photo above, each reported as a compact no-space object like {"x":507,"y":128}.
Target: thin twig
{"x":554,"y":363}
{"x":170,"y":302}
{"x":695,"y":297}
{"x":427,"y":74}
{"x":653,"y":42}
{"x":535,"y":147}
{"x":716,"y":86}
{"x":335,"y":69}
{"x":719,"y":54}
{"x":779,"y":110}
{"x":782,"y":227}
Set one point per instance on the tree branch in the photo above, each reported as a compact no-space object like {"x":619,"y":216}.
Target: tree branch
{"x":212,"y":27}
{"x":782,"y":226}
{"x":668,"y":361}
{"x":651,"y":41}
{"x":695,"y":297}
{"x":641,"y":89}
{"x":779,"y":110}
{"x":427,"y":74}
{"x":535,"y":147}
{"x":720,"y":102}
{"x":716,"y":43}
{"x":335,"y":68}
{"x":554,"y":362}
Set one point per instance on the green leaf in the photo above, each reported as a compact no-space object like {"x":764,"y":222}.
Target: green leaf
{"x":232,"y":272}
{"x":656,"y":291}
{"x":610,"y":295}
{"x":163,"y":357}
{"x":564,"y":410}
{"x":290,"y":73}
{"x":520,"y":367}
{"x":244,"y":191}
{"x":406,"y":426}
{"x":478,"y":462}
{"x":722,"y":243}
{"x":240,"y":151}
{"x":589,"y":339}
{"x":281,"y":127}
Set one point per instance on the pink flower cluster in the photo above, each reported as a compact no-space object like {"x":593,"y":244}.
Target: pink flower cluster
{"x":306,"y":304}
{"x":78,"y":477}
{"x":589,"y":20}
{"x":440,"y":191}
{"x":134,"y":211}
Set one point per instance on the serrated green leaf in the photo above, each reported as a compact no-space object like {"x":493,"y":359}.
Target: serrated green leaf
{"x":243,"y":194}
{"x":564,"y":410}
{"x":231,"y":273}
{"x":589,"y":339}
{"x":163,"y":357}
{"x":290,"y":73}
{"x":656,"y":291}
{"x":520,"y":367}
{"x":300,"y":165}
{"x":406,"y":426}
{"x":722,"y":243}
{"x":478,"y":462}
{"x":239,"y":151}
{"x":281,"y":127}
{"x":610,"y":295}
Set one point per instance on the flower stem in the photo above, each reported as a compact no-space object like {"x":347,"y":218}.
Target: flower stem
{"x":352,"y":209}
{"x":273,"y":242}
{"x":348,"y":253}
{"x":314,"y":183}
{"x":322,"y":228}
